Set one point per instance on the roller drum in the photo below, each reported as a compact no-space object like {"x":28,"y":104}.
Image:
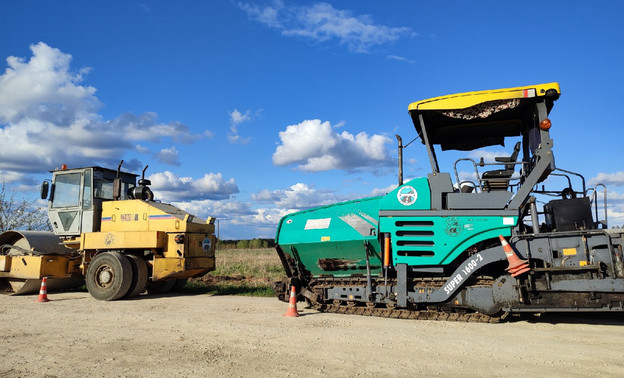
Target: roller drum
{"x":33,"y":243}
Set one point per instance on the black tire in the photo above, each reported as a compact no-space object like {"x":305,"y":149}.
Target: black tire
{"x":139,"y":276}
{"x":179,"y":284}
{"x":160,"y":287}
{"x":109,"y":276}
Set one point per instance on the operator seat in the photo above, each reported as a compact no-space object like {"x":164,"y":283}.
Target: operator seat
{"x":499,"y":179}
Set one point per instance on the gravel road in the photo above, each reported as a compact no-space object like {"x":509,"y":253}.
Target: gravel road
{"x":202,"y":335}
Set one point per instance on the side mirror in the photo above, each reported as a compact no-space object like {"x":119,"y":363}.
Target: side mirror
{"x":45,"y":188}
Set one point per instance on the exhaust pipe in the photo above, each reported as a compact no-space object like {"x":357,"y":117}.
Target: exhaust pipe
{"x":400,"y":158}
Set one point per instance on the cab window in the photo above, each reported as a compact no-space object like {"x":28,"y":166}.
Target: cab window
{"x":67,"y":190}
{"x":103,"y":188}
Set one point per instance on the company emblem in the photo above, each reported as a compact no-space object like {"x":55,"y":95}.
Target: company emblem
{"x":407,"y":195}
{"x":453,"y":227}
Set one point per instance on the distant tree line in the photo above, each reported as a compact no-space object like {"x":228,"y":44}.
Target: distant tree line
{"x":246,"y":244}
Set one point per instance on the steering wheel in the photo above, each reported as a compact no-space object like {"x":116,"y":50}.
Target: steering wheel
{"x":568,"y":193}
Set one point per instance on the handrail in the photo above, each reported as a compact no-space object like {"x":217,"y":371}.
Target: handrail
{"x":475,"y":168}
{"x":594,"y":200}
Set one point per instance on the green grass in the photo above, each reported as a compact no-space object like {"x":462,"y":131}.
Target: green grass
{"x":248,"y":272}
{"x":197,"y":286}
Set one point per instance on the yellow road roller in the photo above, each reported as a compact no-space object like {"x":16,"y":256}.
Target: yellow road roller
{"x":110,"y":233}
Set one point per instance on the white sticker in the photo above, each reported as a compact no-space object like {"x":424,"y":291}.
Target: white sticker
{"x":317,"y":224}
{"x":407,"y":195}
{"x":206,"y":244}
{"x":507,"y":221}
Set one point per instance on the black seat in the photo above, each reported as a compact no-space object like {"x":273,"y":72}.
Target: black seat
{"x":498,"y":179}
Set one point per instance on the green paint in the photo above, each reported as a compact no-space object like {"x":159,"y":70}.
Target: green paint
{"x":431,"y":240}
{"x":331,"y":239}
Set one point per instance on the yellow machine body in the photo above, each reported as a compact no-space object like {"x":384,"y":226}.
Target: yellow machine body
{"x":182,"y":245}
{"x":28,"y":267}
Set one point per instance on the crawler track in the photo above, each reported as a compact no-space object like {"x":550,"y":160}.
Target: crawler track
{"x":429,"y":313}
{"x":406,"y":314}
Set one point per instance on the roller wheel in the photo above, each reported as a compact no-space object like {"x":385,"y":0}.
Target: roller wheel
{"x":109,"y":276}
{"x":160,"y":287}
{"x":139,"y":276}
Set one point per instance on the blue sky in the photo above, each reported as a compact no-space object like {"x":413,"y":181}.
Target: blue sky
{"x":249,"y":110}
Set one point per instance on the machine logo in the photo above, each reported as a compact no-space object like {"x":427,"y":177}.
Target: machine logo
{"x":407,"y":195}
{"x":109,"y":239}
{"x":453,"y":227}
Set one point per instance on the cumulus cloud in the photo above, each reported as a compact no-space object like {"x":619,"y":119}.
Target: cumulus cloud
{"x":45,"y":86}
{"x":608,"y":179}
{"x":241,"y":219}
{"x":314,"y":146}
{"x":383,"y":191}
{"x":321,"y":22}
{"x":48,"y":117}
{"x":168,"y":156}
{"x":236,"y":220}
{"x":172,"y":188}
{"x":488,"y":156}
{"x":615,"y":199}
{"x":220,"y":209}
{"x":298,"y":196}
{"x":615,"y":208}
{"x":236,"y":118}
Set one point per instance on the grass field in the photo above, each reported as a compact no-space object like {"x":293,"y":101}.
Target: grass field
{"x":241,"y":272}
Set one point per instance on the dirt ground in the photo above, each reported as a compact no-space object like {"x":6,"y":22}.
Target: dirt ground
{"x":202,"y":335}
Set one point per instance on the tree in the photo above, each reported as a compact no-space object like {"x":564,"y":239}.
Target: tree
{"x":255,"y":243}
{"x":20,"y":214}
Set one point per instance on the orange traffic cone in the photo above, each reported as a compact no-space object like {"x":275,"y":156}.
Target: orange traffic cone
{"x":292,"y":304}
{"x":43,"y":292}
{"x":516,"y":266}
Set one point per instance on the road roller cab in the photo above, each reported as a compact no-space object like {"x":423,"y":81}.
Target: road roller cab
{"x":75,"y":197}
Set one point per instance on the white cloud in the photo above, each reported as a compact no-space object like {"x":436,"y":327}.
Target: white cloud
{"x":236,"y":220}
{"x":322,"y":22}
{"x":488,"y":156}
{"x":400,"y":59}
{"x":608,"y":179}
{"x":615,"y":199}
{"x":383,"y":191}
{"x":47,"y":117}
{"x":242,"y":219}
{"x":314,"y":146}
{"x":171,"y":188}
{"x":298,"y":196}
{"x":9,"y":176}
{"x":217,"y":209}
{"x":168,"y":156}
{"x":236,"y":118}
{"x":141,"y":149}
{"x":43,"y":86}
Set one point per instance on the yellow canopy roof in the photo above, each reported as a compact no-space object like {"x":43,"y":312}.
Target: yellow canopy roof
{"x":468,"y":99}
{"x":467,"y":121}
